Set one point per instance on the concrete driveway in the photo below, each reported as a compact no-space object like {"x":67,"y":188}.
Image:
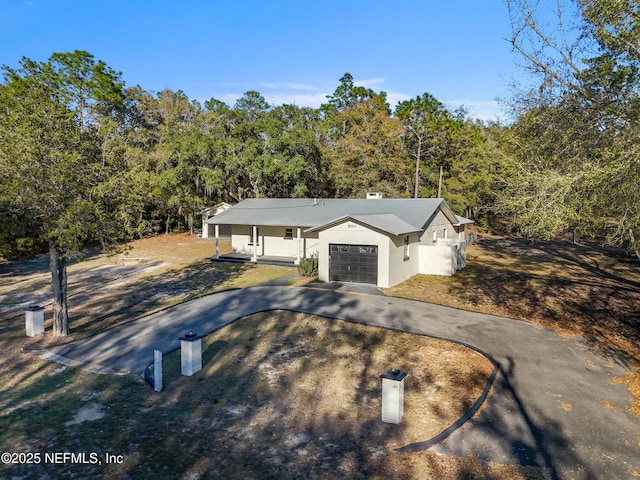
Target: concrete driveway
{"x":554,"y":404}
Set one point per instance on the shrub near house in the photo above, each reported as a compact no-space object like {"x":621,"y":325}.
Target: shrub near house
{"x":308,"y":267}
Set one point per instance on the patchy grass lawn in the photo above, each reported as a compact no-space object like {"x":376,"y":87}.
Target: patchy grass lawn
{"x":105,"y":290}
{"x":577,"y":289}
{"x":281,"y":396}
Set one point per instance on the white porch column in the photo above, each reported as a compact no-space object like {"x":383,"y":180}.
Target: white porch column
{"x":217,"y":235}
{"x":255,"y":244}
{"x":205,"y":227}
{"x":297,"y":262}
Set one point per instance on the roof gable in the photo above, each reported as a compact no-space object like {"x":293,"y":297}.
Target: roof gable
{"x":385,"y":222}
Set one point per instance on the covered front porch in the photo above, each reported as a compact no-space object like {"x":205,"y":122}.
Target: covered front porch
{"x":273,"y":245}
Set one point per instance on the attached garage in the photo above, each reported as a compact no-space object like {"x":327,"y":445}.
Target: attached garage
{"x":353,"y":263}
{"x":363,"y":249}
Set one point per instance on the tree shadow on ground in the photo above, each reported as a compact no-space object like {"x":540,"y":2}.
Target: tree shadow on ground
{"x":561,"y":289}
{"x":268,"y":421}
{"x":96,"y":310}
{"x":234,"y":426}
{"x":508,"y":432}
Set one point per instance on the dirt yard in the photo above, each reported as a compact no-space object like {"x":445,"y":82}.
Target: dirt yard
{"x":106,"y":290}
{"x":281,"y":395}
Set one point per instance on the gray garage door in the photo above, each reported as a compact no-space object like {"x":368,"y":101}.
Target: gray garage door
{"x":353,"y":263}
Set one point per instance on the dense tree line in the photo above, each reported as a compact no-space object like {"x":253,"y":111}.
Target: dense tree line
{"x":85,"y":159}
{"x":117,"y":161}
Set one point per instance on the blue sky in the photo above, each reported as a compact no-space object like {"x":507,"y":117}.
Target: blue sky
{"x":290,"y":51}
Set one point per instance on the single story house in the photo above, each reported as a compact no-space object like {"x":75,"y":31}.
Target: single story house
{"x":374,"y":240}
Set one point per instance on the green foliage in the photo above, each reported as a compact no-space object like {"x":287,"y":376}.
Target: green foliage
{"x":56,"y":148}
{"x":308,"y":267}
{"x":85,"y":159}
{"x":363,"y":143}
{"x":426,"y":126}
{"x":348,"y":95}
{"x":126,"y":162}
{"x":572,"y":156}
{"x":58,"y":145}
{"x":472,"y":179}
{"x":435,"y":139}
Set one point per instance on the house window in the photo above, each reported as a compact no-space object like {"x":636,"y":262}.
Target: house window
{"x":251,"y":236}
{"x":444,"y":233}
{"x":288,"y":233}
{"x":435,"y":235}
{"x":406,"y":247}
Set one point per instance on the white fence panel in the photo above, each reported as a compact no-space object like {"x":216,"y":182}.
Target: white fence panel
{"x":445,"y":258}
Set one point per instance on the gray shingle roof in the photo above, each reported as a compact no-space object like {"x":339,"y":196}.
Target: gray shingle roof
{"x":410,"y":213}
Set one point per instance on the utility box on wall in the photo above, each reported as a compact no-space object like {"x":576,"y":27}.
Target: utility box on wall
{"x":393,"y":395}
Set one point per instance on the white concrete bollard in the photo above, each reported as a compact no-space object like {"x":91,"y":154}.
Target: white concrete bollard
{"x":34,"y":320}
{"x":157,"y":370}
{"x":191,"y":353}
{"x":393,"y":395}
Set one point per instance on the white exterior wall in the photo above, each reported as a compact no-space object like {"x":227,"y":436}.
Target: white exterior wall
{"x":444,"y":258}
{"x":438,"y":224}
{"x":351,"y":233}
{"x":240,"y":239}
{"x":436,"y":257}
{"x":458,"y":253}
{"x":399,"y":268}
{"x":436,"y":260}
{"x":271,"y":241}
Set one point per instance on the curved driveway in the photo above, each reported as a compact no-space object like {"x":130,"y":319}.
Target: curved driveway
{"x":554,"y":404}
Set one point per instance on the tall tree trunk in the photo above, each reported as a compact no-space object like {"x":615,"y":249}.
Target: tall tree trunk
{"x":416,"y":192}
{"x":58,"y":267}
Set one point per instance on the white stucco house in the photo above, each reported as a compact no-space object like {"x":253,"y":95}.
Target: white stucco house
{"x":374,"y":240}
